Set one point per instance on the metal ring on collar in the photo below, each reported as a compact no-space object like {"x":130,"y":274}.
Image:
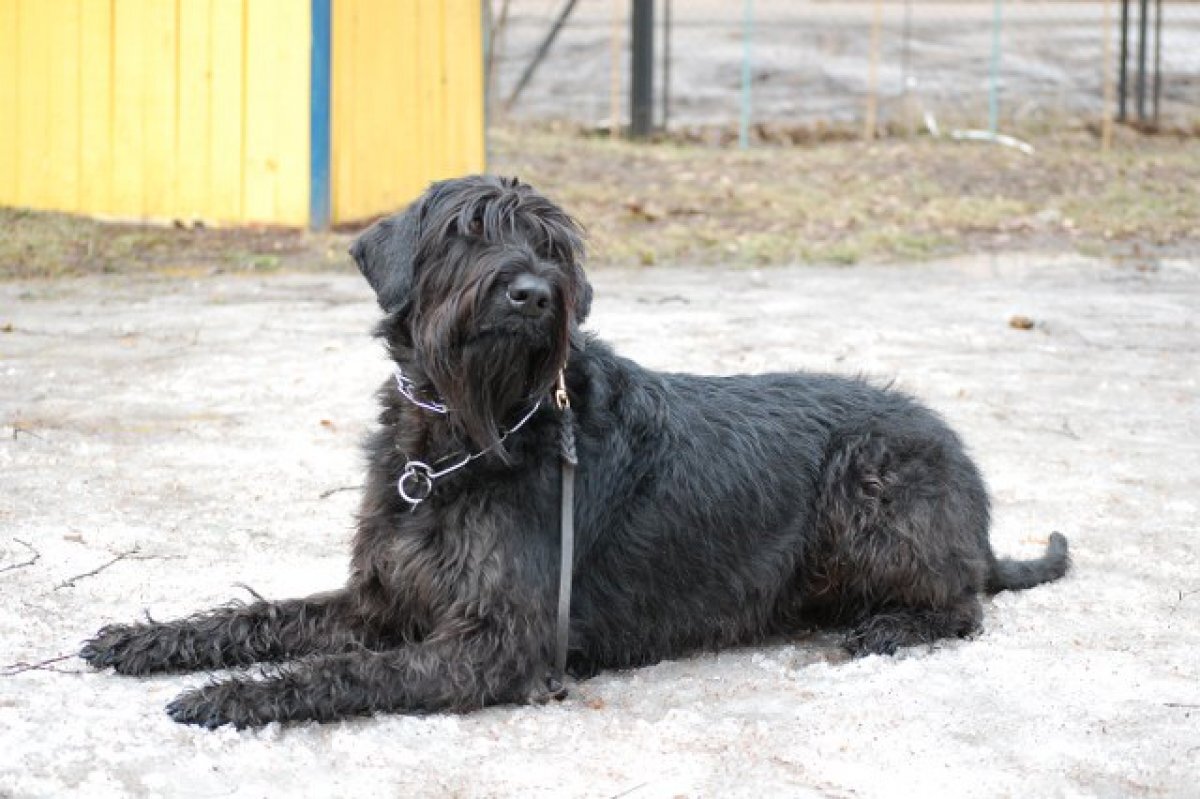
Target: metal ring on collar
{"x":418,"y":477}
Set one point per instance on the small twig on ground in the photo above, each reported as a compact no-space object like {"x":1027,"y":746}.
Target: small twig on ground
{"x":36,"y":557}
{"x":1068,"y":431}
{"x":629,"y":791}
{"x":70,"y":582}
{"x":24,"y":431}
{"x":1186,"y":705}
{"x":41,"y":665}
{"x":1182,"y":596}
{"x":339,"y":489}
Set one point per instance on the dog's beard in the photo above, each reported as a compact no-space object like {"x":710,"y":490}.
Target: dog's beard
{"x":490,"y":367}
{"x":502,"y":377}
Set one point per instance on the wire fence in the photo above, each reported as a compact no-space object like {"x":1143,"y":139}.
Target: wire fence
{"x":796,"y":68}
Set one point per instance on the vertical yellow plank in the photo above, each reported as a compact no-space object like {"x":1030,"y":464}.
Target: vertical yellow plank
{"x":95,"y":106}
{"x":375,"y":110}
{"x":382,"y":150}
{"x":351,"y":96}
{"x":433,"y":81}
{"x":475,"y":120}
{"x":195,"y":110}
{"x":294,"y":118}
{"x":294,"y":115}
{"x":8,"y":102}
{"x":63,"y":132}
{"x":342,"y":108}
{"x":453,"y":50}
{"x":225,"y":144}
{"x":159,"y":107}
{"x":33,"y":99}
{"x":464,"y":87}
{"x":130,"y":61}
{"x":414,"y":173}
{"x":279,"y":41}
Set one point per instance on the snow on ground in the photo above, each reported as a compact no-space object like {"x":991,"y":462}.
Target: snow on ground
{"x":192,"y":429}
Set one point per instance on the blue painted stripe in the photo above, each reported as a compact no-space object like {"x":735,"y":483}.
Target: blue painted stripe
{"x":320,"y":198}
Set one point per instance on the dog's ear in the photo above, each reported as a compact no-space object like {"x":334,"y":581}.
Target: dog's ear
{"x":385,"y":254}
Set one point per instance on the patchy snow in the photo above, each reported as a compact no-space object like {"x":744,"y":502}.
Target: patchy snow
{"x":192,"y":427}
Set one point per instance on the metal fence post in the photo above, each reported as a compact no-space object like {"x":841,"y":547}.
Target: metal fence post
{"x":747,"y":39}
{"x":641,"y":105}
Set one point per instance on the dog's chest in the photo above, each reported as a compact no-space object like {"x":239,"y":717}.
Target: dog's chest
{"x":448,"y":560}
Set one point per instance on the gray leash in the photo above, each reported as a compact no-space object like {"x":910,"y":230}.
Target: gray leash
{"x":570,"y":460}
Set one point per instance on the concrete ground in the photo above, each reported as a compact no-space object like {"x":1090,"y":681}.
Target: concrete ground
{"x":163,"y":440}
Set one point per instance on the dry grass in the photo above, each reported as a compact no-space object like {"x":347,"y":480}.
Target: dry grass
{"x":846,"y":202}
{"x":687,"y":203}
{"x":48,"y":245}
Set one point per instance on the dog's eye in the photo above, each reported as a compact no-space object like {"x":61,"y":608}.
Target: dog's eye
{"x":475,"y":228}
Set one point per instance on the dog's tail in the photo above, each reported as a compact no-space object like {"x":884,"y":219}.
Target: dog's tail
{"x":1013,"y":575}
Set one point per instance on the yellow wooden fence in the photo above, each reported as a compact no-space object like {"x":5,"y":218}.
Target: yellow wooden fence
{"x":204,"y":109}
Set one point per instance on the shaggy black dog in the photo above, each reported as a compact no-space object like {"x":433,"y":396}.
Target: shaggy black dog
{"x":710,"y":511}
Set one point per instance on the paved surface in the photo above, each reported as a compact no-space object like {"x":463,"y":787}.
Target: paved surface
{"x":168,"y":439}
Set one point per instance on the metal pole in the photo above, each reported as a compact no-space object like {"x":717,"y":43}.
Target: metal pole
{"x":872,"y":120}
{"x":666,"y":64}
{"x":320,"y":200}
{"x":1158,"y":7}
{"x":906,"y":76}
{"x":1123,"y":77}
{"x":1143,"y":7}
{"x":747,"y":38}
{"x":641,"y":99}
{"x":614,"y":83}
{"x":994,"y":87}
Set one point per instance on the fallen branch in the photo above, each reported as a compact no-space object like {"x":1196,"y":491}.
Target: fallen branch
{"x":24,"y":431}
{"x":36,"y":557}
{"x":70,"y":582}
{"x":339,"y":489}
{"x":1068,"y":431}
{"x":42,"y":665}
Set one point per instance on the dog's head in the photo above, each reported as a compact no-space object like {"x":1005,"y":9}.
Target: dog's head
{"x":482,"y":282}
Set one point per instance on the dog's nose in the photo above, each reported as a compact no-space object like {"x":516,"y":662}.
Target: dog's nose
{"x":529,"y":294}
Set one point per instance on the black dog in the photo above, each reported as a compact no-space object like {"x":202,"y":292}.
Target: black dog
{"x":710,"y":511}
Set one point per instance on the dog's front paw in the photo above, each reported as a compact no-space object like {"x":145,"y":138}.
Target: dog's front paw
{"x":231,"y":702}
{"x":128,"y":648}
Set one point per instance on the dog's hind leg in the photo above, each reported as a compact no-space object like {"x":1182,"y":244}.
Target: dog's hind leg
{"x":489,"y":663}
{"x":901,"y":546}
{"x":885,"y":631}
{"x":237,"y":634}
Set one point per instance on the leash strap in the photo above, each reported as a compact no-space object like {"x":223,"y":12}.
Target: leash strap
{"x":570,"y":460}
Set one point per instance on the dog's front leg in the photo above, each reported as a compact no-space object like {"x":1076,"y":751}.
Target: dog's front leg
{"x":233,"y":635}
{"x":484,"y":667}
